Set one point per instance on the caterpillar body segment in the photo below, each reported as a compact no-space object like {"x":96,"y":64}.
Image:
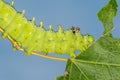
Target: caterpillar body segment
{"x":35,"y":38}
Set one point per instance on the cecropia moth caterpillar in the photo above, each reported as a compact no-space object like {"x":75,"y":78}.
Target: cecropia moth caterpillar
{"x":35,"y":38}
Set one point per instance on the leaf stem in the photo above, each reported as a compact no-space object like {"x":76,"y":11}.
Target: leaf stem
{"x":16,"y":45}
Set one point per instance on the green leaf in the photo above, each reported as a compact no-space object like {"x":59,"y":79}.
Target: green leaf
{"x":106,"y":15}
{"x":101,"y":61}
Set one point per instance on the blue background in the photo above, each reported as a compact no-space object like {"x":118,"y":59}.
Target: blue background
{"x":14,"y":65}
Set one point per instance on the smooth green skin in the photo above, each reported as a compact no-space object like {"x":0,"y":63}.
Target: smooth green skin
{"x":34,"y":38}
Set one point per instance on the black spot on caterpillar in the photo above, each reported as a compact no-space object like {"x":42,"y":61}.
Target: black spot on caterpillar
{"x":73,"y":29}
{"x":34,"y":38}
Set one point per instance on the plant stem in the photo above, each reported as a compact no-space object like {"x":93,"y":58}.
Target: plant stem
{"x":50,"y":57}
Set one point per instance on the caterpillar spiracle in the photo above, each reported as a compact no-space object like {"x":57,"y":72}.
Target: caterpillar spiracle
{"x":35,"y":38}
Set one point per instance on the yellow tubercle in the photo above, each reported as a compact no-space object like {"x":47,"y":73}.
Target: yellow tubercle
{"x":12,"y":3}
{"x":33,"y":19}
{"x":60,"y":28}
{"x":50,"y":27}
{"x":23,"y":12}
{"x":41,"y":24}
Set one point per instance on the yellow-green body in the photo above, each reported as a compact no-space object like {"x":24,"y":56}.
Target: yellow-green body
{"x":35,"y":38}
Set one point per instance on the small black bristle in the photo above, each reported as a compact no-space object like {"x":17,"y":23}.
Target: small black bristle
{"x":73,"y":32}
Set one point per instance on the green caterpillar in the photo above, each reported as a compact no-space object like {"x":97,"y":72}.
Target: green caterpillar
{"x":36,"y":38}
